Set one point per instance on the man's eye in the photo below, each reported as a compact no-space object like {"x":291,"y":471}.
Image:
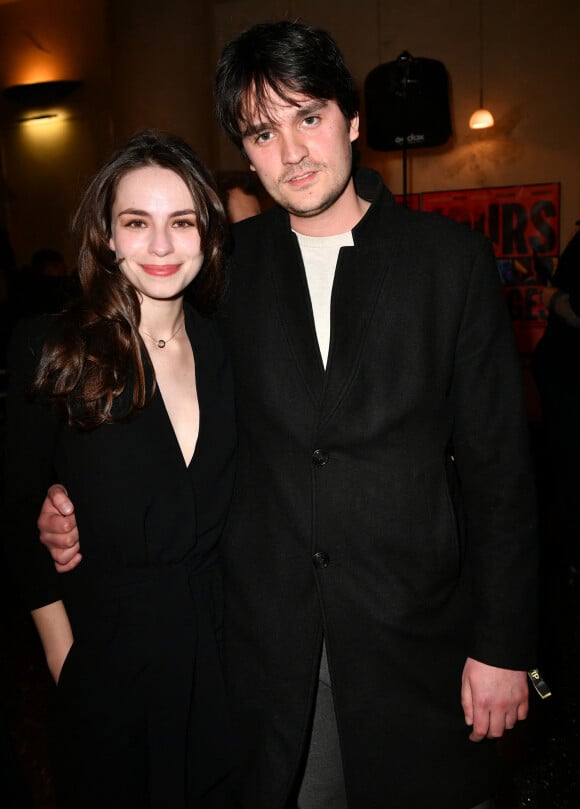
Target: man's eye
{"x":263,"y":137}
{"x":312,"y":120}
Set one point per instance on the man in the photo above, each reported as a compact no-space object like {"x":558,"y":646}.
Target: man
{"x":380,"y":555}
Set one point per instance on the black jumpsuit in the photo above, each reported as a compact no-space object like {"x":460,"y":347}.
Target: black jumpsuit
{"x":140,"y":714}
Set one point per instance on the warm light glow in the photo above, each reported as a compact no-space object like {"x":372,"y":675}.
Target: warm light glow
{"x":36,"y":70}
{"x":50,"y":135}
{"x":41,"y":118}
{"x":481,"y":119}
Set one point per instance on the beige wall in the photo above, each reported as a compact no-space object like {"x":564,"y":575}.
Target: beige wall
{"x":162,"y":66}
{"x":143,"y":63}
{"x":45,"y":163}
{"x":149,"y":63}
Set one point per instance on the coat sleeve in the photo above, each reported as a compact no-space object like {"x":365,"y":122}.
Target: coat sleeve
{"x":567,"y":275}
{"x":491,"y":450}
{"x":31,"y":432}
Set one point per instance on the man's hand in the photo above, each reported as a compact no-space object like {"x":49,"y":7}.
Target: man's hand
{"x":493,"y":699}
{"x":58,"y":529}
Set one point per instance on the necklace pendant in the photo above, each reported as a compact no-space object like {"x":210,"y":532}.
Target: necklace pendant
{"x":161,"y":343}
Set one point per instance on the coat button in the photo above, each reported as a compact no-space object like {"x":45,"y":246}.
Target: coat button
{"x":321,"y":559}
{"x":320,"y":457}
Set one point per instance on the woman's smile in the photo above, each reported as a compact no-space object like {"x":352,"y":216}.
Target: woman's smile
{"x":160,"y":270}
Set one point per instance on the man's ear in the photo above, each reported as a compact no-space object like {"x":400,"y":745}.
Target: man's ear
{"x":353,"y":130}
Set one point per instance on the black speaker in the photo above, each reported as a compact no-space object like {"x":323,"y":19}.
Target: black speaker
{"x":407,"y":104}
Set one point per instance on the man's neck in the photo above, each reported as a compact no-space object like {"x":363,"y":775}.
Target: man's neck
{"x":342,"y":216}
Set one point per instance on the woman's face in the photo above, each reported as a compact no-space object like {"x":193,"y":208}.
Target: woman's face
{"x":154,"y":232}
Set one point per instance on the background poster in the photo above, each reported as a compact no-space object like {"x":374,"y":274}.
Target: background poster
{"x":413,"y":201}
{"x":522,"y":223}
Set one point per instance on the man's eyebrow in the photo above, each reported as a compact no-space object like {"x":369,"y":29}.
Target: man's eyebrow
{"x":317,"y":104}
{"x":302,"y":111}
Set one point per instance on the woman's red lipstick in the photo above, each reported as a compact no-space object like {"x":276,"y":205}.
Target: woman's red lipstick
{"x":160,"y":270}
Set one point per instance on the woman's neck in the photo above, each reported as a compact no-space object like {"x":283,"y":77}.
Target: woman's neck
{"x":161,"y":319}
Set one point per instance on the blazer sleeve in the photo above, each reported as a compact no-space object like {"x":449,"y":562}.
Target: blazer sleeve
{"x":492,"y":455}
{"x":31,"y":433}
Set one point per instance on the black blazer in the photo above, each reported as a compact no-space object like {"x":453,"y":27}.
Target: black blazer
{"x":146,"y":601}
{"x":387,"y":503}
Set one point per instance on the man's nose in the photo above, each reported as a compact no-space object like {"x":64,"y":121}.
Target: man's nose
{"x":294,"y":148}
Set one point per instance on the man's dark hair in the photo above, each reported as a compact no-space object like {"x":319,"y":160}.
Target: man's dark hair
{"x":285,"y":58}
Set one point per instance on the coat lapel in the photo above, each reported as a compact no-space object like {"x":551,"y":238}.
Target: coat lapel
{"x":295,"y":309}
{"x":360,"y":275}
{"x":356,"y":289}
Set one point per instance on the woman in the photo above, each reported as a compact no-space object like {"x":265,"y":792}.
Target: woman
{"x":133,"y":411}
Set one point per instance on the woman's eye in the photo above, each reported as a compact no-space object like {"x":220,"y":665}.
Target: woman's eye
{"x":135,"y":223}
{"x":184,"y":223}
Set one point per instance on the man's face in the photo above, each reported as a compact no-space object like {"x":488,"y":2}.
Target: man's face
{"x":301,"y":152}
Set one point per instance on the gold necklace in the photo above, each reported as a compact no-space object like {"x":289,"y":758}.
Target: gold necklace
{"x":162,"y":343}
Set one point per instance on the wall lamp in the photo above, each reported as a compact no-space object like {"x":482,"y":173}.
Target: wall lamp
{"x":41,"y":94}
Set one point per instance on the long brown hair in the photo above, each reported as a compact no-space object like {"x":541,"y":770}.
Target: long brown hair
{"x":95,"y":353}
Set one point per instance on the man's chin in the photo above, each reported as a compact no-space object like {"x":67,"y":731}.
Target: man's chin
{"x":307,"y":211}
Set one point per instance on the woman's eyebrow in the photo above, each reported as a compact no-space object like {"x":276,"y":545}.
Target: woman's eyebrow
{"x":138,"y":212}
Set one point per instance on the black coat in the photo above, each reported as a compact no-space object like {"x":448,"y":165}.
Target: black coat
{"x":387,"y":504}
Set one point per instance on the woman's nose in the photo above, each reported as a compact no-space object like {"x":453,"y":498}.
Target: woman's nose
{"x":161,"y":243}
